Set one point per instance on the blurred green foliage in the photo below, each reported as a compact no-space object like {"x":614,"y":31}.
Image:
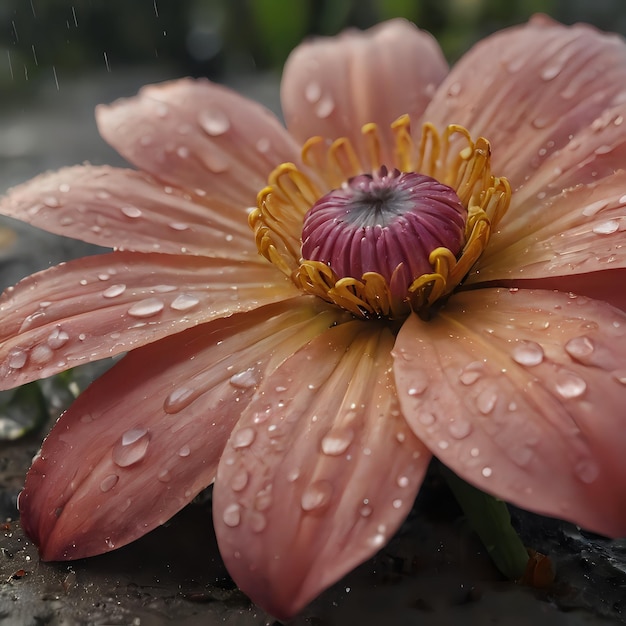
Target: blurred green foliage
{"x":215,"y":37}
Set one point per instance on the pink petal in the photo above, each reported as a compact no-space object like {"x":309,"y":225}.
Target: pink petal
{"x":320,"y":471}
{"x":522,"y":394}
{"x":144,"y":439}
{"x":333,"y":86}
{"x":199,"y":135}
{"x":103,"y":305}
{"x":579,"y":231}
{"x":125,"y":209}
{"x":531,"y":90}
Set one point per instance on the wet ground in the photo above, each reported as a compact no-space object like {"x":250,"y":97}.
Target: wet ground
{"x":434,"y":572}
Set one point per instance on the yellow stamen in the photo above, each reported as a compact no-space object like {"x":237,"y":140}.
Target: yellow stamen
{"x":451,"y":157}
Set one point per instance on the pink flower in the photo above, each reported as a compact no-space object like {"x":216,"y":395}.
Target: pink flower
{"x":305,"y":388}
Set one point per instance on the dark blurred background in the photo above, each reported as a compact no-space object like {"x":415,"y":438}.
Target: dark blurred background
{"x":53,"y":40}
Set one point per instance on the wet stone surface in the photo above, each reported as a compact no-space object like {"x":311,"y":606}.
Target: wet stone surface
{"x":434,"y":572}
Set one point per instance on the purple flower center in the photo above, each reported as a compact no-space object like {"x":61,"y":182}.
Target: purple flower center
{"x":388,"y":223}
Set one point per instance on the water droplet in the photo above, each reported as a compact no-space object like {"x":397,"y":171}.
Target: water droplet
{"x":471,"y":372}
{"x":178,"y":399}
{"x":263,"y":145}
{"x":263,"y":499}
{"x":184,"y":302}
{"x":239,"y":480}
{"x":232,"y":515}
{"x":443,"y":444}
{"x":455,"y":89}
{"x":131,"y":211}
{"x":486,"y":401}
{"x":580,"y":348}
{"x":521,"y":455}
{"x":325,"y":107}
{"x":569,"y":385}
{"x":52,"y":202}
{"x":459,"y":428}
{"x":606,"y":228}
{"x":587,"y":470}
{"x":183,"y":152}
{"x":246,"y":379}
{"x":161,"y":109}
{"x":316,"y":496}
{"x":64,"y":188}
{"x":527,"y":353}
{"x":313,"y":92}
{"x":474,"y":452}
{"x":403,"y":481}
{"x":132,"y":448}
{"x":293,"y":475}
{"x":57,"y":338}
{"x":486,"y":472}
{"x":552,"y":71}
{"x":397,"y":503}
{"x":179,"y":226}
{"x":17,"y":359}
{"x":164,"y":476}
{"x":184,"y":451}
{"x":214,"y":122}
{"x":243,"y":438}
{"x":337,"y":441}
{"x":109,"y":482}
{"x":41,"y":354}
{"x":426,"y":418}
{"x":366,"y":510}
{"x":146,"y":308}
{"x":114,"y":290}
{"x":377,"y":541}
{"x":257,"y":521}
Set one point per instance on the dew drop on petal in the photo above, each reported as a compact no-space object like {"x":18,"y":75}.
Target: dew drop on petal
{"x":337,"y":441}
{"x":325,"y":107}
{"x":471,"y":373}
{"x":486,"y":401}
{"x":132,"y":447}
{"x":214,"y":122}
{"x":178,"y":399}
{"x":257,"y":521}
{"x":146,"y":308}
{"x":606,"y":228}
{"x":131,"y":211}
{"x":184,"y":302}
{"x":114,"y":291}
{"x":587,"y":470}
{"x":41,"y":354}
{"x":528,"y":353}
{"x":246,"y":379}
{"x":580,"y":348}
{"x":164,"y":476}
{"x":243,"y":438}
{"x":426,"y":418}
{"x":486,"y":472}
{"x":232,"y":515}
{"x":313,"y":92}
{"x":316,"y":496}
{"x":184,"y":451}
{"x":57,"y":338}
{"x":403,"y":481}
{"x":569,"y":385}
{"x":109,"y":482}
{"x":460,"y":428}
{"x":17,"y":359}
{"x":397,"y":503}
{"x":264,"y":498}
{"x":366,"y":510}
{"x":239,"y":480}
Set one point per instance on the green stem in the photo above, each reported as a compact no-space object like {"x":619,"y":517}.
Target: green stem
{"x":489,"y":517}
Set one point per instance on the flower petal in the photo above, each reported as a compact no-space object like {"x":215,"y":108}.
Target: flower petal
{"x":199,"y":135}
{"x":579,"y":231}
{"x":145,"y":438}
{"x":125,"y":209}
{"x":522,"y":394}
{"x":100,"y":306}
{"x":531,"y":89}
{"x":320,"y":471}
{"x":333,"y":86}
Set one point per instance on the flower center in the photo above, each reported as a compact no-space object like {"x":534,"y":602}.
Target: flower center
{"x":382,"y":239}
{"x":388,"y":223}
